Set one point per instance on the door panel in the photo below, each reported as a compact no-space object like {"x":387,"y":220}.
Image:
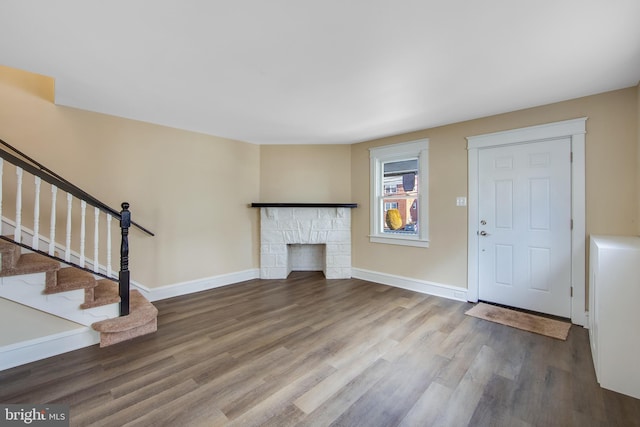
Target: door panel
{"x":525,"y":245}
{"x":504,"y":261}
{"x":504,"y":204}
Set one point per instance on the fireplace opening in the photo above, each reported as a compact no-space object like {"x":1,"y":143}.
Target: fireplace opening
{"x":306,"y":257}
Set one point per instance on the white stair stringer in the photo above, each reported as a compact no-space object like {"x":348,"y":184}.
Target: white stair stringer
{"x":28,"y":289}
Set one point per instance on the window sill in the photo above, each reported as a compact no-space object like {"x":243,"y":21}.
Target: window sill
{"x":399,"y":240}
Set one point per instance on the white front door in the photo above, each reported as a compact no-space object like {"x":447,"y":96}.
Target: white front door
{"x":524,"y":207}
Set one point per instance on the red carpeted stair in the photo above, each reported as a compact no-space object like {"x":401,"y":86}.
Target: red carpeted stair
{"x":142,"y":314}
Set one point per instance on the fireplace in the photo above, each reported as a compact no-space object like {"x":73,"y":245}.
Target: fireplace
{"x":305,"y":236}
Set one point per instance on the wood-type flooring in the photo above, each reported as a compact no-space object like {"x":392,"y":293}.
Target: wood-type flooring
{"x":314,"y":352}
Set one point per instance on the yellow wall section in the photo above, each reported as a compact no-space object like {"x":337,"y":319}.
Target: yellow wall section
{"x":191,"y":189}
{"x":305,"y":173}
{"x":612,"y":193}
{"x":35,"y":84}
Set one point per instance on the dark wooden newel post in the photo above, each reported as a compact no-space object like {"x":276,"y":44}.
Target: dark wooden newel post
{"x":123,"y":277}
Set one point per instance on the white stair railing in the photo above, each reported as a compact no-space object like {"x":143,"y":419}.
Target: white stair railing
{"x":96,"y":237}
{"x":83,"y":230}
{"x":35,"y":244}
{"x":20,"y":232}
{"x":17,"y":234}
{"x":109,"y":267}
{"x":52,"y":223}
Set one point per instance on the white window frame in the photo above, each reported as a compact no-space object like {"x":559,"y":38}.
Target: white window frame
{"x":391,"y":153}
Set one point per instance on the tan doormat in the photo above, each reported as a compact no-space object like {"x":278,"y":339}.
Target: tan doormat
{"x":525,"y":321}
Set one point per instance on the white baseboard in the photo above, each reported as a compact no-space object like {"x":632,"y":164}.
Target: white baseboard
{"x":422,"y":286}
{"x":17,"y":354}
{"x":198,"y":285}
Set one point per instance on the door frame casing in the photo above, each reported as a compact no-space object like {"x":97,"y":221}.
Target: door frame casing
{"x":574,"y":129}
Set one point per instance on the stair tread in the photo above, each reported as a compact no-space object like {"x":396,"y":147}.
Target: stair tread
{"x":106,"y":288}
{"x":141,"y":312}
{"x":71,"y":278}
{"x":105,"y":292}
{"x":31,"y":263}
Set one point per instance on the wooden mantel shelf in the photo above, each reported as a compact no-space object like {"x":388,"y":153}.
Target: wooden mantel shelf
{"x":304,"y":205}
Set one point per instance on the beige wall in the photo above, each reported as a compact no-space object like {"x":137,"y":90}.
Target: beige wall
{"x":305,"y":173}
{"x":612,"y":188}
{"x":192,"y":190}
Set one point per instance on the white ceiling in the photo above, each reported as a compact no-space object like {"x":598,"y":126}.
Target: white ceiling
{"x":323,"y":71}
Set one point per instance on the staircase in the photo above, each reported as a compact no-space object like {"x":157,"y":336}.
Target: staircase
{"x":142,"y":316}
{"x":58,"y":279}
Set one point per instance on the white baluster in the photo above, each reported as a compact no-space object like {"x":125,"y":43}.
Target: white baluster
{"x":96,"y":236}
{"x":1,"y":167}
{"x":109,"y":218}
{"x":17,"y":235}
{"x":35,"y":244}
{"x":52,"y":226}
{"x":67,"y":252}
{"x":83,"y":229}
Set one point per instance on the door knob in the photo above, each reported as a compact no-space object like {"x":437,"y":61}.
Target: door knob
{"x":484,"y":233}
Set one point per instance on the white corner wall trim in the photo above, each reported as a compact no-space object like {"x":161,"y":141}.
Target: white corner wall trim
{"x":411,"y":284}
{"x":17,"y":354}
{"x":197,"y":285}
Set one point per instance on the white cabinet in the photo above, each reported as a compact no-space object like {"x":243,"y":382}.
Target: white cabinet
{"x":614,"y":312}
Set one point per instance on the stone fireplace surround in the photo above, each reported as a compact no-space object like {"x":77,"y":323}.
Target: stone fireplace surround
{"x":295,"y":230}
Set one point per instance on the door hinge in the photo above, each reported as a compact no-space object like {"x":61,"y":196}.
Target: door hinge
{"x":572,"y":224}
{"x":571,"y":157}
{"x":571,"y":291}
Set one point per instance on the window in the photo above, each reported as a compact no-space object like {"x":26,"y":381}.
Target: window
{"x":388,"y":189}
{"x":399,"y":194}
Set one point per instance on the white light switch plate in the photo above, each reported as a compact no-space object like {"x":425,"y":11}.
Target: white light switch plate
{"x":461,"y":201}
